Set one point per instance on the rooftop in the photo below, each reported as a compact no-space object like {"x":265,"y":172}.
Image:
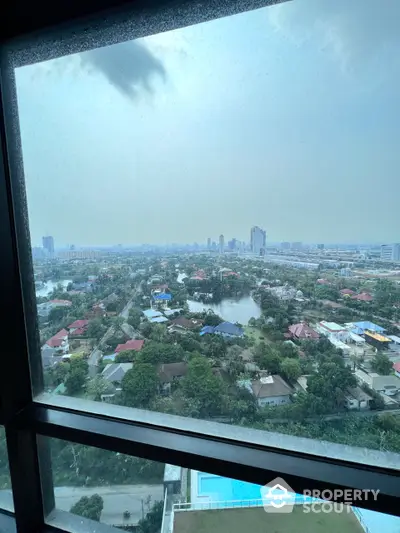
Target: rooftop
{"x":332,"y":326}
{"x":256,"y":520}
{"x":270,"y":386}
{"x":133,"y":344}
{"x":150,"y":313}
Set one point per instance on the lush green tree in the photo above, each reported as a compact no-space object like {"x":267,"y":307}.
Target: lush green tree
{"x":381,"y":364}
{"x":98,"y":386}
{"x":95,"y":328}
{"x":140,"y":385}
{"x":286,"y":349}
{"x":135,"y":316}
{"x":156,"y":352}
{"x":290,"y":368}
{"x":127,"y":356}
{"x":203,"y":387}
{"x":212,"y":319}
{"x":57,"y":314}
{"x":326,"y":292}
{"x":267,"y":358}
{"x":152,"y":521}
{"x":77,"y":374}
{"x":88,"y":507}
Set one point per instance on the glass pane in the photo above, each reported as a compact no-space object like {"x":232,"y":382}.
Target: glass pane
{"x":6,"y":499}
{"x":129,"y":492}
{"x":115,"y":489}
{"x":207,"y":239}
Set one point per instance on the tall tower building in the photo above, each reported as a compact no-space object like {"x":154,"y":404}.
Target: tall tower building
{"x":258,"y":240}
{"x":209,"y":243}
{"x":221,"y":244}
{"x":48,"y":244}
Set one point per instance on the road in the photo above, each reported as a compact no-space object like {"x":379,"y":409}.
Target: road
{"x":95,"y":356}
{"x":116,"y":498}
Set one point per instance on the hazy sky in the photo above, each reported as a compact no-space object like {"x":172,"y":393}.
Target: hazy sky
{"x":286,"y":117}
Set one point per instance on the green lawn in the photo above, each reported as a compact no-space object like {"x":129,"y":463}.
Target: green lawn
{"x":256,"y":520}
{"x":255,"y":334}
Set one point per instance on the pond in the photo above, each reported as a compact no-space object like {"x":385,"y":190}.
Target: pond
{"x":230,"y":309}
{"x":50,"y":285}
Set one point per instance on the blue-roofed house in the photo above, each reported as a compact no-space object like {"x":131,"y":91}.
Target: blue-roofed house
{"x":206,"y":329}
{"x":361,"y":327}
{"x":227,"y":329}
{"x":151,"y":313}
{"x":166,"y":296}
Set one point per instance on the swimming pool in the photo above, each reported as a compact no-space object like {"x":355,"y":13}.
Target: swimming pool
{"x":225,"y":489}
{"x":222,"y":489}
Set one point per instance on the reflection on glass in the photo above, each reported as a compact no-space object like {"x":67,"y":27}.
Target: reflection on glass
{"x":129,"y":492}
{"x":207,"y":235}
{"x":6,"y":499}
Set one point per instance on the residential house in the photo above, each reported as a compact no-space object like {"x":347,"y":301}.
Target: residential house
{"x":58,"y":344}
{"x":161,"y":299}
{"x":182,"y":324}
{"x":271,"y":390}
{"x":361,"y":327}
{"x":356,"y":398}
{"x":333,"y":330}
{"x":115,"y":372}
{"x":322,"y":281}
{"x":99,"y":309}
{"x":151,"y":313}
{"x":78,"y":327}
{"x":302,"y":331}
{"x":170,"y":372}
{"x":207,"y":330}
{"x":134,"y":344}
{"x":44,"y":308}
{"x":387,"y":385}
{"x":346,"y":293}
{"x":229,"y":330}
{"x":396,"y":368}
{"x":363,"y":297}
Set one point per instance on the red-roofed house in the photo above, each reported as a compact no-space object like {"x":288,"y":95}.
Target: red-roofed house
{"x":322,"y":281}
{"x":57,"y":344}
{"x":346,"y":292}
{"x":302,"y":331}
{"x":396,"y":368}
{"x":133,"y":344}
{"x":78,"y":324}
{"x":363,"y":297}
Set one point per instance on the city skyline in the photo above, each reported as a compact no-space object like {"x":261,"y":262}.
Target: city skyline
{"x":167,"y":139}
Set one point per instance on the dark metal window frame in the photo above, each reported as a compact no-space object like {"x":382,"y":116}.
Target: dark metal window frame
{"x":28,"y":422}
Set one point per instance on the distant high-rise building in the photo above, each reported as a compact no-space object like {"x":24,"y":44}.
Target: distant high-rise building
{"x":390,"y":252}
{"x":232,"y":245}
{"x":297,"y":245}
{"x":285,"y":245}
{"x":48,"y":244}
{"x":258,"y":240}
{"x":320,"y":246}
{"x":221,"y":244}
{"x":209,"y":243}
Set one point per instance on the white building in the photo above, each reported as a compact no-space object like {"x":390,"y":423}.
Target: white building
{"x":333,"y":330}
{"x":390,"y":252}
{"x":258,"y":240}
{"x":268,"y":390}
{"x":387,"y":385}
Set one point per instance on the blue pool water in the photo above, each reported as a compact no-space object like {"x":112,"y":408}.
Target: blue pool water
{"x":219,"y":488}
{"x":223,"y":488}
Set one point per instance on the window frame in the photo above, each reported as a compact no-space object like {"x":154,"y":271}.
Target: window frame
{"x":29,"y":422}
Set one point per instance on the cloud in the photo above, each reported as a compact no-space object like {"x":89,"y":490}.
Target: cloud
{"x":128,"y":66}
{"x":355,"y":32}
